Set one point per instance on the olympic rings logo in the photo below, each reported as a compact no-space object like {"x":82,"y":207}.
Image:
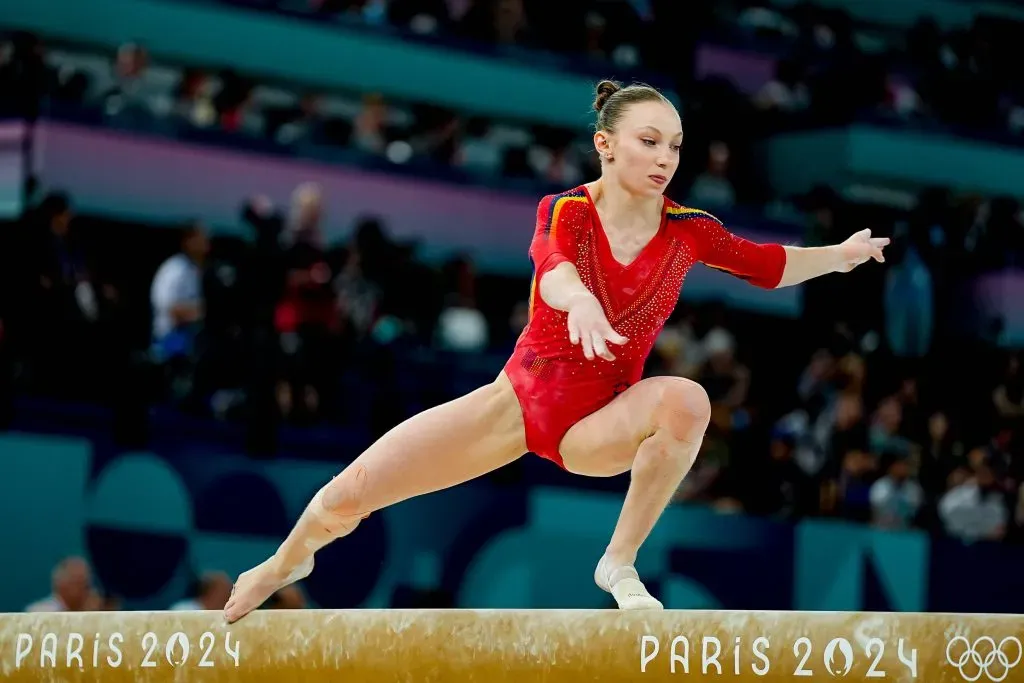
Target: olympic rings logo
{"x":976,"y":660}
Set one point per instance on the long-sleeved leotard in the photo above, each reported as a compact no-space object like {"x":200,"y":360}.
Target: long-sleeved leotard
{"x":556,"y":385}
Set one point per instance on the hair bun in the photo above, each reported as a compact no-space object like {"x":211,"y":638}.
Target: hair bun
{"x":605,"y":89}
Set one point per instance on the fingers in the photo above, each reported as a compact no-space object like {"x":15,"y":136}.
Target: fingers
{"x":587,"y":341}
{"x":593,"y":337}
{"x":877,"y":243}
{"x":614,"y":337}
{"x":578,"y":334}
{"x":600,"y":348}
{"x":595,"y":344}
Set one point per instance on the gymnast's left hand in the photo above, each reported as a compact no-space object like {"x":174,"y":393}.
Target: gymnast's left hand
{"x":859,"y":248}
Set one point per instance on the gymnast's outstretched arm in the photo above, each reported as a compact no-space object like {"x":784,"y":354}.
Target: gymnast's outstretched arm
{"x":807,"y":263}
{"x":774,"y":265}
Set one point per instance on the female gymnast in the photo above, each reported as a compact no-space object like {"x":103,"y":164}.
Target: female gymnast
{"x":609,"y":260}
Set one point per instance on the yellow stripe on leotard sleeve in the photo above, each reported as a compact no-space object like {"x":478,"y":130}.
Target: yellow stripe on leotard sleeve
{"x":682,"y":212}
{"x":557,"y":212}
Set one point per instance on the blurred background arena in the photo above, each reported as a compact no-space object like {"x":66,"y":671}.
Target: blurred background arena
{"x":241,"y":239}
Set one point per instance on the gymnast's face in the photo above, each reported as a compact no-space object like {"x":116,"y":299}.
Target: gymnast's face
{"x":644,"y":147}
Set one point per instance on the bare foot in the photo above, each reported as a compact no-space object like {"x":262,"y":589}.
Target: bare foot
{"x":256,"y":585}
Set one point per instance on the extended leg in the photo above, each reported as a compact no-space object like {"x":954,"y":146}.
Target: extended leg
{"x":654,"y":430}
{"x":437,"y":449}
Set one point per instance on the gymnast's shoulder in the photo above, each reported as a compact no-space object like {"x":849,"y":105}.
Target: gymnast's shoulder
{"x":679,"y":214}
{"x":571,"y":204}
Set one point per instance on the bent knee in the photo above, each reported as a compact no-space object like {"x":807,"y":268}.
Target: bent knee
{"x":683,"y":408}
{"x":345,"y":495}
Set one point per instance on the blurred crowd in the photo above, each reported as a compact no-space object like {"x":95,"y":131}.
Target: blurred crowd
{"x":829,"y":69}
{"x":261,"y":328}
{"x":839,"y":67}
{"x":873,"y":407}
{"x":863,"y":437}
{"x":601,"y":30}
{"x":73,"y":588}
{"x":132,"y":90}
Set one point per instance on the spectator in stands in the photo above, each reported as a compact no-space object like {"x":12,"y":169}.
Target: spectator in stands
{"x":381,"y":292}
{"x":233,"y":102}
{"x":678,"y":350}
{"x":885,"y":433}
{"x":787,"y":92}
{"x":177,"y":295}
{"x":596,"y":35}
{"x":897,"y":497}
{"x":73,"y":589}
{"x":849,"y":494}
{"x":476,"y":152}
{"x":909,"y":298}
{"x":1008,"y":397}
{"x":307,"y":314}
{"x":975,"y":509}
{"x":725,"y":379}
{"x":63,"y":265}
{"x":781,"y":488}
{"x":190,"y":101}
{"x":24,"y":75}
{"x":211,"y":593}
{"x":302,"y":121}
{"x":997,"y":454}
{"x":262,"y":275}
{"x":502,"y":22}
{"x":435,"y":135}
{"x":554,"y":158}
{"x":263,"y":268}
{"x":817,"y":381}
{"x":177,"y":302}
{"x":822,"y":207}
{"x":844,"y":429}
{"x":67,"y":298}
{"x":370,"y":132}
{"x":359,"y":294}
{"x":132,"y":95}
{"x":940,"y":456}
{"x":461,"y":326}
{"x":915,"y":420}
{"x":712,"y":189}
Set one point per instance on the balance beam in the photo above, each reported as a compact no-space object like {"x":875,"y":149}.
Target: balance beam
{"x":494,"y":646}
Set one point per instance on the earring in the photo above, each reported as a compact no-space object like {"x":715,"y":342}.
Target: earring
{"x":608,"y":156}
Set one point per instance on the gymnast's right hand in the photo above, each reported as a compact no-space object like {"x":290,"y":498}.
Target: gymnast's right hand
{"x":589,"y":327}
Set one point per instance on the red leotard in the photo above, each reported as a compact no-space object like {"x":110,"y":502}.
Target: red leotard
{"x":556,"y":385}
